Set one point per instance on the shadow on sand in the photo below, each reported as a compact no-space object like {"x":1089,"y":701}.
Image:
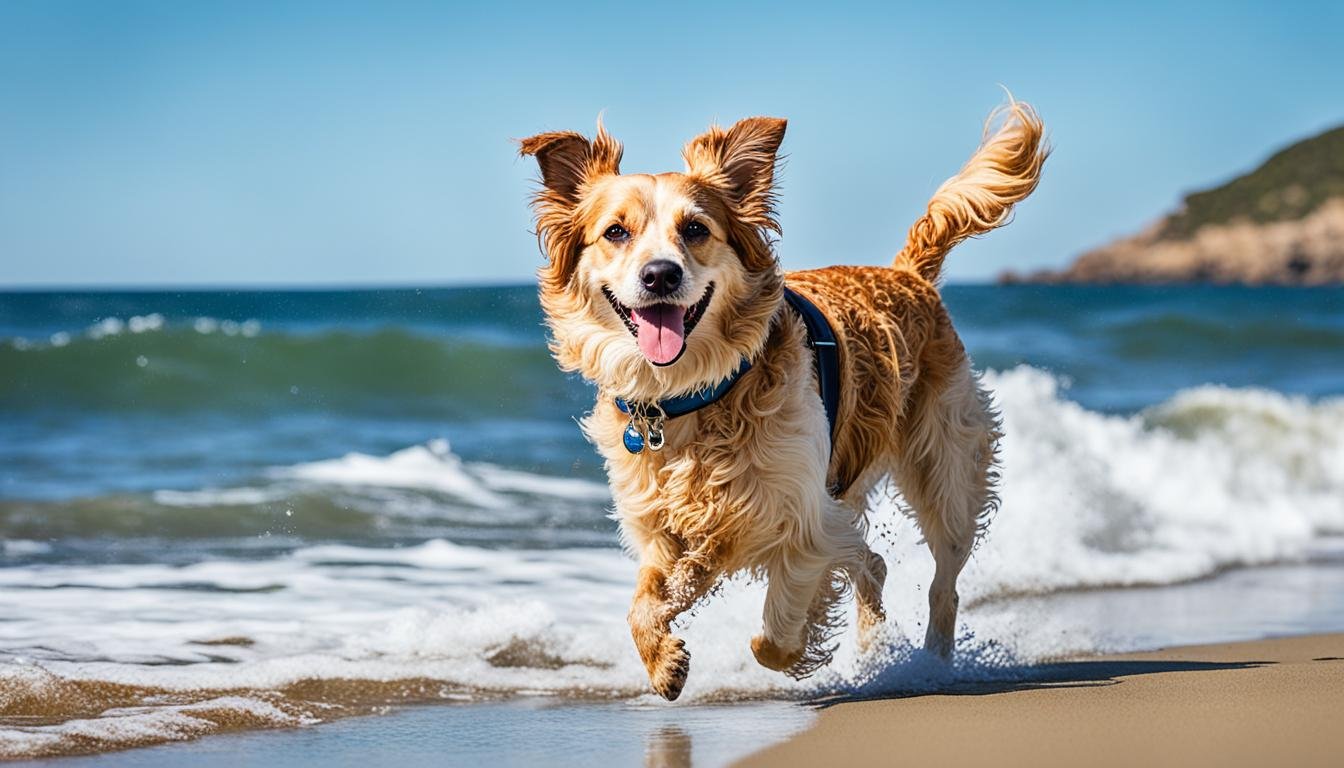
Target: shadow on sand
{"x":1063,"y":674}
{"x":669,"y":746}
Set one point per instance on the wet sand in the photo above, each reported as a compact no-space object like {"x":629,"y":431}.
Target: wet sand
{"x":1262,"y":703}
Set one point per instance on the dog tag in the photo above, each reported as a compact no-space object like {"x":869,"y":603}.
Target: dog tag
{"x":656,"y":435}
{"x":633,"y":438}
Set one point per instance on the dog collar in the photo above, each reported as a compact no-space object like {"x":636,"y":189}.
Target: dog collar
{"x":646,"y":419}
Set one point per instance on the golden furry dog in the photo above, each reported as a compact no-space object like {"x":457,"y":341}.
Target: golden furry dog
{"x":666,"y":286}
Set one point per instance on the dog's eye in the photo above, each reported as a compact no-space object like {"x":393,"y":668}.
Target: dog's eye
{"x":694,"y":230}
{"x":616,"y":233}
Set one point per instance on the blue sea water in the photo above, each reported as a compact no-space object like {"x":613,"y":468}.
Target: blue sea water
{"x":215,"y":387}
{"x":224,"y":500}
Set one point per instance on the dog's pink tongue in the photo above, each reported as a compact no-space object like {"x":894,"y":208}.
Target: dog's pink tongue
{"x":662,"y":332}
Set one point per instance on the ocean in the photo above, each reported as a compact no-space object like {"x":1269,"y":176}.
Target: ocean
{"x":226,"y":511}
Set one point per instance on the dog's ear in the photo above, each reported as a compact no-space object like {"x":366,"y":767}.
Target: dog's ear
{"x":569,"y":163}
{"x":740,"y":162}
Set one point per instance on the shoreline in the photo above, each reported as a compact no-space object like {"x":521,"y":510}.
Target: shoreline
{"x":1235,"y":611}
{"x":1260,"y":702}
{"x":1253,"y":703}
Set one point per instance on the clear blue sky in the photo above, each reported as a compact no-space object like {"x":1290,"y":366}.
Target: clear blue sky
{"x":238,"y":143}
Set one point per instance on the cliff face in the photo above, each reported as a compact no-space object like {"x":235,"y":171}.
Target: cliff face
{"x":1283,"y":223}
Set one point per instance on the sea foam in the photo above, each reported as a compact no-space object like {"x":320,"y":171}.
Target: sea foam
{"x":434,"y":467}
{"x":431,"y":467}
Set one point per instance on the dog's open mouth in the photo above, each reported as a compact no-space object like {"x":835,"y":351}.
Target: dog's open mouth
{"x":661,"y":330}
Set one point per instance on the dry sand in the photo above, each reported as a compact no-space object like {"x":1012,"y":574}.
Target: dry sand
{"x":1266,"y":703}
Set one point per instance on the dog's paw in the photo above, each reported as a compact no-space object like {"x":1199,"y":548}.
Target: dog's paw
{"x":938,"y":644}
{"x":771,"y":656}
{"x":668,"y":676}
{"x":871,"y":621}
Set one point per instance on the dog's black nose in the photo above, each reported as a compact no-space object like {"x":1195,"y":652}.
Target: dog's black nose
{"x":661,"y":277}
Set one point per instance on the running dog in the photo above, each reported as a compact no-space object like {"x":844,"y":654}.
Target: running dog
{"x":745,"y":413}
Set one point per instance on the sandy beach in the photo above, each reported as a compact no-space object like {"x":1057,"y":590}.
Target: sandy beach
{"x":1270,"y":702}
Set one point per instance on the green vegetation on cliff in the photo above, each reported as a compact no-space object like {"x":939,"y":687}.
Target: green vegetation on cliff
{"x":1288,"y":186}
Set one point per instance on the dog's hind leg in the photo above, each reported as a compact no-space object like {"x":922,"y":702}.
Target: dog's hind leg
{"x":946,"y":472}
{"x":949,"y":555}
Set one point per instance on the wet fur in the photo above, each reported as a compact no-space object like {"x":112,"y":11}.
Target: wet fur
{"x":750,"y":483}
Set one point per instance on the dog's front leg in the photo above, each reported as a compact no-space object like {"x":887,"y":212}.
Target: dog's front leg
{"x":662,"y":594}
{"x":795,"y":578}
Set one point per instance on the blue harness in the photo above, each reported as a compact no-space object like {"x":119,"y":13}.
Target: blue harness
{"x":826,"y":355}
{"x":825,"y":351}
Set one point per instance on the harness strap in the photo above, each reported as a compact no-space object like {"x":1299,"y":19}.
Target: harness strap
{"x":825,"y":351}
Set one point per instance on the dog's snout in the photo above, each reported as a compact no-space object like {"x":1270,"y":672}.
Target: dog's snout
{"x":661,"y":277}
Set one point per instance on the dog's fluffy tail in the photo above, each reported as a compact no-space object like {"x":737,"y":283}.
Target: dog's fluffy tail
{"x":1002,"y":172}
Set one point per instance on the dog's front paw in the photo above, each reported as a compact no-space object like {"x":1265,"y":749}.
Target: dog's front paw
{"x":668,"y":674}
{"x":771,"y":656}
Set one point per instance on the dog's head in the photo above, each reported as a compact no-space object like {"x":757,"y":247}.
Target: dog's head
{"x":658,"y":285}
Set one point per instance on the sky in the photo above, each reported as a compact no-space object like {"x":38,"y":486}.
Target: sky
{"x":338,"y":143}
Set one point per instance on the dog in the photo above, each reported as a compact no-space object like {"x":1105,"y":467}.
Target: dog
{"x":665,"y":292}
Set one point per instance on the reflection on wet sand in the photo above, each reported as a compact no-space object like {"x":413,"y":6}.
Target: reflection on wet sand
{"x":668,"y":747}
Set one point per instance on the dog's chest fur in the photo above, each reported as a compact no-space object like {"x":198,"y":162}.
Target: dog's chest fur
{"x":736,"y":474}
